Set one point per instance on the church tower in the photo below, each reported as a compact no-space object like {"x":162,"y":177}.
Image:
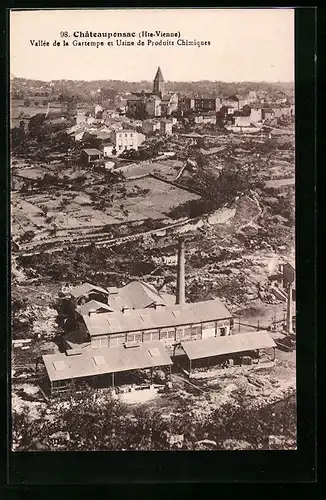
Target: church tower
{"x":158,"y":84}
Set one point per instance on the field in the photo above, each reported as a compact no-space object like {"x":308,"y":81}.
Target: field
{"x":19,"y":111}
{"x":68,"y":211}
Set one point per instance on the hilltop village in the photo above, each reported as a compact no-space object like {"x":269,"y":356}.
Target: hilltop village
{"x":152,"y":258}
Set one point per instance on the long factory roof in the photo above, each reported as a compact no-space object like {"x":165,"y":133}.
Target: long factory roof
{"x":105,"y":360}
{"x":152,"y":318}
{"x":218,"y":346}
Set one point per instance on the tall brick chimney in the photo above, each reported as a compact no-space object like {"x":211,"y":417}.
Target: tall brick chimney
{"x":181,"y":294}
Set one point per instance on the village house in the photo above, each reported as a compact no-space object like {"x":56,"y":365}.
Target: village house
{"x":113,"y":124}
{"x":203,"y":118}
{"x":241,"y":120}
{"x":251,"y":96}
{"x":226,"y":111}
{"x":136,"y":105}
{"x":267,"y":113}
{"x":98,"y":110}
{"x":166,"y":127}
{"x":109,"y":113}
{"x":125,"y":140}
{"x":207,"y":104}
{"x":80,"y":118}
{"x":90,"y":155}
{"x":281,"y":111}
{"x":153,"y":106}
{"x":169,"y":104}
{"x":255,"y":112}
{"x":150,"y":126}
{"x":108,"y":149}
{"x":235,"y":101}
{"x":200,"y":104}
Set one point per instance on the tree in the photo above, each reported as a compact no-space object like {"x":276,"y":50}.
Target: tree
{"x":18,"y":137}
{"x":22,"y":318}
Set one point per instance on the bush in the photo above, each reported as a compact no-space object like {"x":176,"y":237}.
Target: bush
{"x":22,"y":318}
{"x":87,"y":425}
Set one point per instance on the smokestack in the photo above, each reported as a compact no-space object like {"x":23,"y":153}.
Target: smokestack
{"x":181,"y":296}
{"x":289,"y":313}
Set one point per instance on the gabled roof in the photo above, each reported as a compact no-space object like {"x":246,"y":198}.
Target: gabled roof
{"x":140,"y":295}
{"x":86,"y":288}
{"x":151,"y":318}
{"x":218,"y":346}
{"x":92,"y":152}
{"x":103,"y":360}
{"x":103,"y":135}
{"x":93,"y":306}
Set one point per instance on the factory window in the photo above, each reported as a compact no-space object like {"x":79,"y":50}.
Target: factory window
{"x":100,"y":342}
{"x":155,"y":335}
{"x":126,"y":135}
{"x":113,"y":341}
{"x":134,"y":337}
{"x":147,"y":337}
{"x":196,"y":330}
{"x":187,"y":332}
{"x":171,"y":334}
{"x":163,"y":335}
{"x":208,"y":326}
{"x":180,"y":333}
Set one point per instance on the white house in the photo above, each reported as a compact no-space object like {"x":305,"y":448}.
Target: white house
{"x":125,"y":140}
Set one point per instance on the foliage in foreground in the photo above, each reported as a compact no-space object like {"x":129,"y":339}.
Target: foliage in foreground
{"x":82,"y":424}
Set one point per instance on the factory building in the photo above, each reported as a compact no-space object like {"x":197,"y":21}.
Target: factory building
{"x":136,"y":327}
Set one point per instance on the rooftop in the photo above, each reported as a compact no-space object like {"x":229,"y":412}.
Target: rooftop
{"x":217,"y":346}
{"x":151,"y":318}
{"x":140,"y":294}
{"x":125,"y":131}
{"x":92,"y":152}
{"x":105,"y":360}
{"x":93,"y":306}
{"x":135,"y":295}
{"x":86,"y":288}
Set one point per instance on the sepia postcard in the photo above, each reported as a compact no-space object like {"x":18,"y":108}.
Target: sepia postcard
{"x":152,"y":171}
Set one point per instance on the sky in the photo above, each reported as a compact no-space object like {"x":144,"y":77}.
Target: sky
{"x":245,"y":45}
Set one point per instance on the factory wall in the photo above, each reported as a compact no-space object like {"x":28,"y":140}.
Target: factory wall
{"x":168,"y":335}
